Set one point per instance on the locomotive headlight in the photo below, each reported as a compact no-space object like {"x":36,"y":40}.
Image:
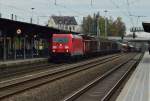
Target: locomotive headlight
{"x":54,"y":50}
{"x":54,"y":47}
{"x":67,"y":50}
{"x":66,"y":47}
{"x":60,"y":45}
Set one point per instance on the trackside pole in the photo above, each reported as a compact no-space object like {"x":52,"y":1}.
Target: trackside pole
{"x":4,"y":50}
{"x":24,"y":48}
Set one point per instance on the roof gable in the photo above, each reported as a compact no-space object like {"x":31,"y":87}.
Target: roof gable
{"x":66,"y":20}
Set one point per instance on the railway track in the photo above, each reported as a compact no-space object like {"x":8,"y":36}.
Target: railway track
{"x":12,"y":72}
{"x":131,"y":65}
{"x":20,"y":84}
{"x":9,"y":73}
{"x":102,"y":88}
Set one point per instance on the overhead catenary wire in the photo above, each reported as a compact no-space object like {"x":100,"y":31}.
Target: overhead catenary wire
{"x":55,"y":2}
{"x":123,"y":12}
{"x":35,"y":13}
{"x":80,"y":13}
{"x":138,"y":18}
{"x":91,"y":2}
{"x":71,"y":9}
{"x":16,"y":9}
{"x":129,"y":12}
{"x":118,"y":7}
{"x":77,"y":12}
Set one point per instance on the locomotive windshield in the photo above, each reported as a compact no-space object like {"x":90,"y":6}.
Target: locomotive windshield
{"x":60,"y":40}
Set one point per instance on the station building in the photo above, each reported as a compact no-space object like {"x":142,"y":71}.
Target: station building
{"x":68,"y":23}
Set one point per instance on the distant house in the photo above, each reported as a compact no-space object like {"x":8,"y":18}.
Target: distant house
{"x":63,"y":22}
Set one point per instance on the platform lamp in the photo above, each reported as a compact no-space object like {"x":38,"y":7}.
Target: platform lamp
{"x":0,"y":37}
{"x":0,"y":33}
{"x":31,"y":20}
{"x":4,"y":44}
{"x":106,"y":11}
{"x":34,"y":36}
{"x":37,"y":44}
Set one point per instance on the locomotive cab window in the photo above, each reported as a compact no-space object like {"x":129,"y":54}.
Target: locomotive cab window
{"x":72,"y":39}
{"x":61,"y":40}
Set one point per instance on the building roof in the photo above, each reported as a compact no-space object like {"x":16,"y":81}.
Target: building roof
{"x":9,"y":28}
{"x":66,"y":20}
{"x":146,"y":26}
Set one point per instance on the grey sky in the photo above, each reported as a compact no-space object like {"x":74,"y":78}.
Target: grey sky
{"x":78,"y":8}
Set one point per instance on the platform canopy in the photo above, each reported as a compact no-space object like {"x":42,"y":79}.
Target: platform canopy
{"x":11,"y":28}
{"x":146,"y":27}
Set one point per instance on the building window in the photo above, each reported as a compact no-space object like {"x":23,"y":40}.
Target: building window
{"x":70,"y":28}
{"x":73,"y":28}
{"x":66,"y":27}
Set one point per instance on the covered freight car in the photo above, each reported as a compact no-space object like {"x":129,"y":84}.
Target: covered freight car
{"x":90,"y":44}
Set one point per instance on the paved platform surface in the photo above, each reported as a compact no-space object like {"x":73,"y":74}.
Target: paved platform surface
{"x":23,"y":61}
{"x":138,"y":86}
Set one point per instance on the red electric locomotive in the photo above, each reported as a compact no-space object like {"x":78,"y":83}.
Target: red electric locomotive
{"x":69,"y":46}
{"x":66,"y":45}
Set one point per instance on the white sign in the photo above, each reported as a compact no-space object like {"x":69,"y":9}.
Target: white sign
{"x":18,"y":31}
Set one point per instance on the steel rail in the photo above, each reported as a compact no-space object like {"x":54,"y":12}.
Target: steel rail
{"x":133,"y":64}
{"x":23,"y":70}
{"x":93,"y":83}
{"x":14,"y":86}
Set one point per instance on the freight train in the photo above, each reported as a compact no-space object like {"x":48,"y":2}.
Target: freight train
{"x":71,"y":45}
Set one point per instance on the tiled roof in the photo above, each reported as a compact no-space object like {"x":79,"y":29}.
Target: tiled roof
{"x":66,"y":20}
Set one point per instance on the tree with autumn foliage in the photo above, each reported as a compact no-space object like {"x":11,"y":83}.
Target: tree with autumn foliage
{"x":117,"y":27}
{"x":114,"y":27}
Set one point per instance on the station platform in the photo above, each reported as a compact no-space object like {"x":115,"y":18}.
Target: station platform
{"x":22,"y":62}
{"x":138,"y":86}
